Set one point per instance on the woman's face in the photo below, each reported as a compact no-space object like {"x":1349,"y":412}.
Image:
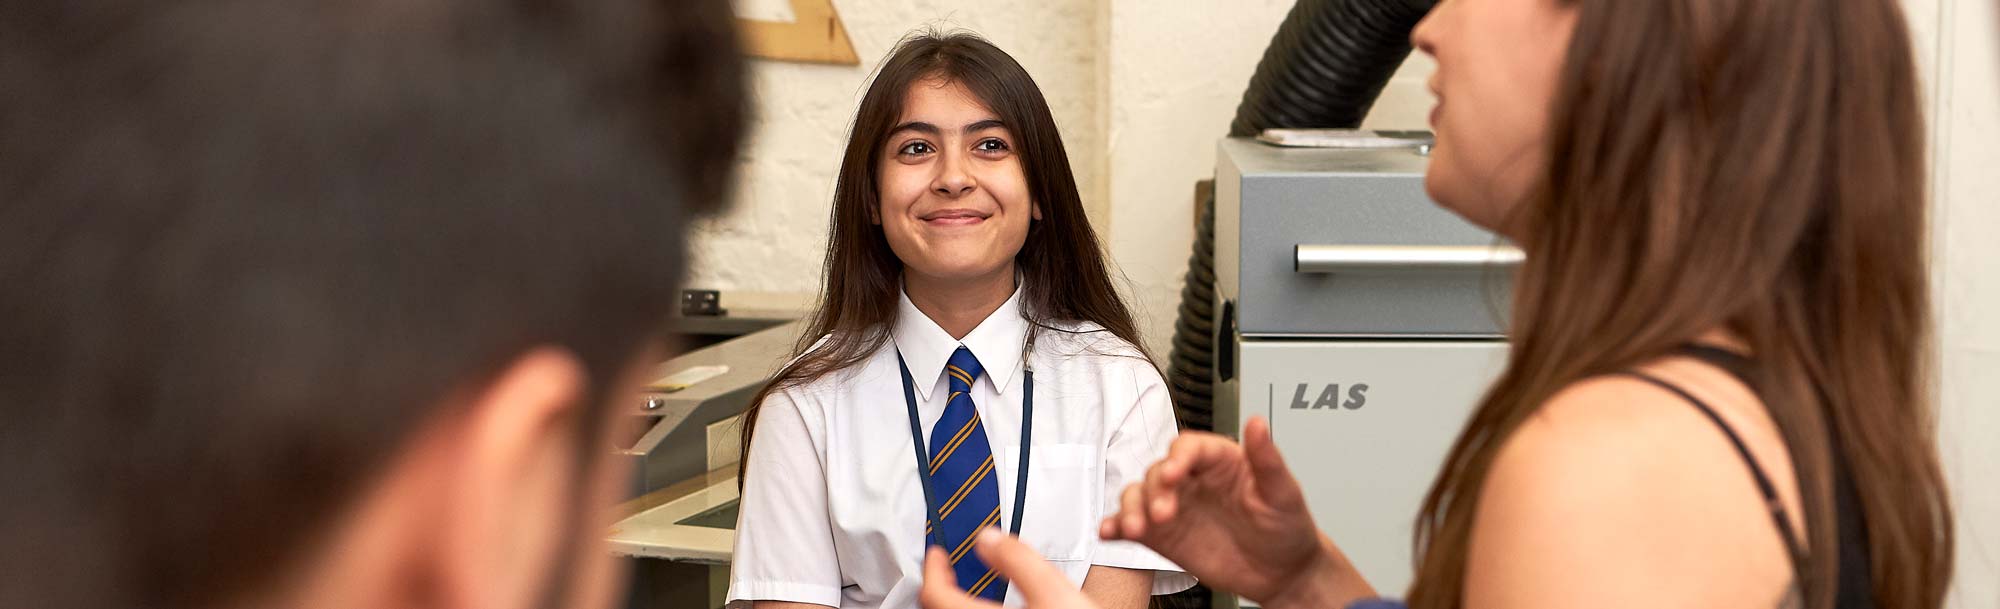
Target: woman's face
{"x":954,"y":199}
{"x":1498,"y":63}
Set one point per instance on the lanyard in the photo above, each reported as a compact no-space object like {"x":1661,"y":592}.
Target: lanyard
{"x":923,"y":460}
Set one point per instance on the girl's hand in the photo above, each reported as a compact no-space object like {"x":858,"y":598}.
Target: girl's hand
{"x":1040,"y":585}
{"x":1234,"y":517}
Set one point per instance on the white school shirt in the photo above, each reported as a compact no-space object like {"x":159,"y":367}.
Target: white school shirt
{"x":832,"y":510}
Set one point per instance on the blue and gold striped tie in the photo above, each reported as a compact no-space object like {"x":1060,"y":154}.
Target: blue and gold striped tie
{"x":962,"y":472}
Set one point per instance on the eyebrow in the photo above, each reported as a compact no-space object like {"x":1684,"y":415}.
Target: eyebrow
{"x":934,"y":131}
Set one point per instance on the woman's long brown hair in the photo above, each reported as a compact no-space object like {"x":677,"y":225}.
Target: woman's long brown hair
{"x":1062,"y":269}
{"x":1755,"y":165}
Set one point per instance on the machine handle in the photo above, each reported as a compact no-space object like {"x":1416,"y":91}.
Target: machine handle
{"x":1401,"y":258}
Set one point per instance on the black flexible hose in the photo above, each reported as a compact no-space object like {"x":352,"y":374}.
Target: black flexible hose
{"x":1327,"y":64}
{"x":1190,"y":372}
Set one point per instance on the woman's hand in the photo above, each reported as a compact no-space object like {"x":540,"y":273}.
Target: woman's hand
{"x":1040,"y":585}
{"x":1234,"y":517}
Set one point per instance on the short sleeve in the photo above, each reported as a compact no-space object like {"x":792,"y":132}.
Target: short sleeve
{"x":1139,"y":439}
{"x":784,"y":540}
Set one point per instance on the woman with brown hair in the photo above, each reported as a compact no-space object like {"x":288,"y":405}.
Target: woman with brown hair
{"x":1716,"y":394}
{"x":969,"y":366}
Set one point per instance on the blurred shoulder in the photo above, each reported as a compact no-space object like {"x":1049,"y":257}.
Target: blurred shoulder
{"x":1617,"y":481}
{"x":1607,"y":427}
{"x":1637,"y":423}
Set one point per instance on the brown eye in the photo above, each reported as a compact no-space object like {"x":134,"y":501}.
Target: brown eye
{"x":914,"y":148}
{"x":991,"y":144}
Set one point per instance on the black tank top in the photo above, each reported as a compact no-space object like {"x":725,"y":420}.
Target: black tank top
{"x":1855,"y":589}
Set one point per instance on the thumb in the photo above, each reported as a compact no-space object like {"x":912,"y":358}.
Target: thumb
{"x":940,"y":589}
{"x":1028,"y":572}
{"x":937,"y":568}
{"x":1275,"y":484}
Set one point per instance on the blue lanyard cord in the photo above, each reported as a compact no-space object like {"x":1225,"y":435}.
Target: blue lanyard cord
{"x":923,"y":460}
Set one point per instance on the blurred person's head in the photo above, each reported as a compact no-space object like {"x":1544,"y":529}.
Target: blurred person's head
{"x":312,"y":303}
{"x":1681,"y":166}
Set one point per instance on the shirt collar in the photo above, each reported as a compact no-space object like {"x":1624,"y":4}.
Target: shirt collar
{"x":996,"y":341}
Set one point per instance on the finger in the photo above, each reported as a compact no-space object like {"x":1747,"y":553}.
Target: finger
{"x":937,"y":568}
{"x":1132,"y":511}
{"x":1187,"y":449}
{"x":941,"y":590}
{"x":1275,"y":483}
{"x":1196,"y":452}
{"x":1159,"y":495}
{"x":1026,"y":571}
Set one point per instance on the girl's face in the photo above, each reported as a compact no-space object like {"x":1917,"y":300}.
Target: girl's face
{"x":954,"y":199}
{"x":1498,"y":64}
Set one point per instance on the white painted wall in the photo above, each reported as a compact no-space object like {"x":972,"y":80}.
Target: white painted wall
{"x":1961,"y":65}
{"x":1175,"y":78}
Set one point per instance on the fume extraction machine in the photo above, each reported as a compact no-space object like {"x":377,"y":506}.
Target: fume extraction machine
{"x":1362,"y":320}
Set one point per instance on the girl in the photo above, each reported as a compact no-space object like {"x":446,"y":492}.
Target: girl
{"x":970,"y":364}
{"x":1716,"y":394}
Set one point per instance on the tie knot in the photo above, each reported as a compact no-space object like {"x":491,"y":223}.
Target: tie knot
{"x":964,"y":362}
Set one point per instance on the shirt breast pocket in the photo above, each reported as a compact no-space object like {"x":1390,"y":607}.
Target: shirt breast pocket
{"x":1061,"y":514}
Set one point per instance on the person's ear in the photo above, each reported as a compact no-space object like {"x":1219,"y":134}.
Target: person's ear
{"x":1036,"y":213}
{"x":514,"y":484}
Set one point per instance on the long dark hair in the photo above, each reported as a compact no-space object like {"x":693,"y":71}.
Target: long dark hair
{"x":1063,"y":273}
{"x":1774,"y":142}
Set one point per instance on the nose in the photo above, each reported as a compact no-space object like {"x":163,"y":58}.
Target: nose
{"x":1424,"y":36}
{"x":954,"y":179}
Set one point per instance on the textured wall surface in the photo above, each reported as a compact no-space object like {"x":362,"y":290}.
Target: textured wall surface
{"x":773,"y":237}
{"x":1961,"y":64}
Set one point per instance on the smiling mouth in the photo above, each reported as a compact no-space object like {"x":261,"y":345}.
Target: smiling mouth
{"x":954,"y":217}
